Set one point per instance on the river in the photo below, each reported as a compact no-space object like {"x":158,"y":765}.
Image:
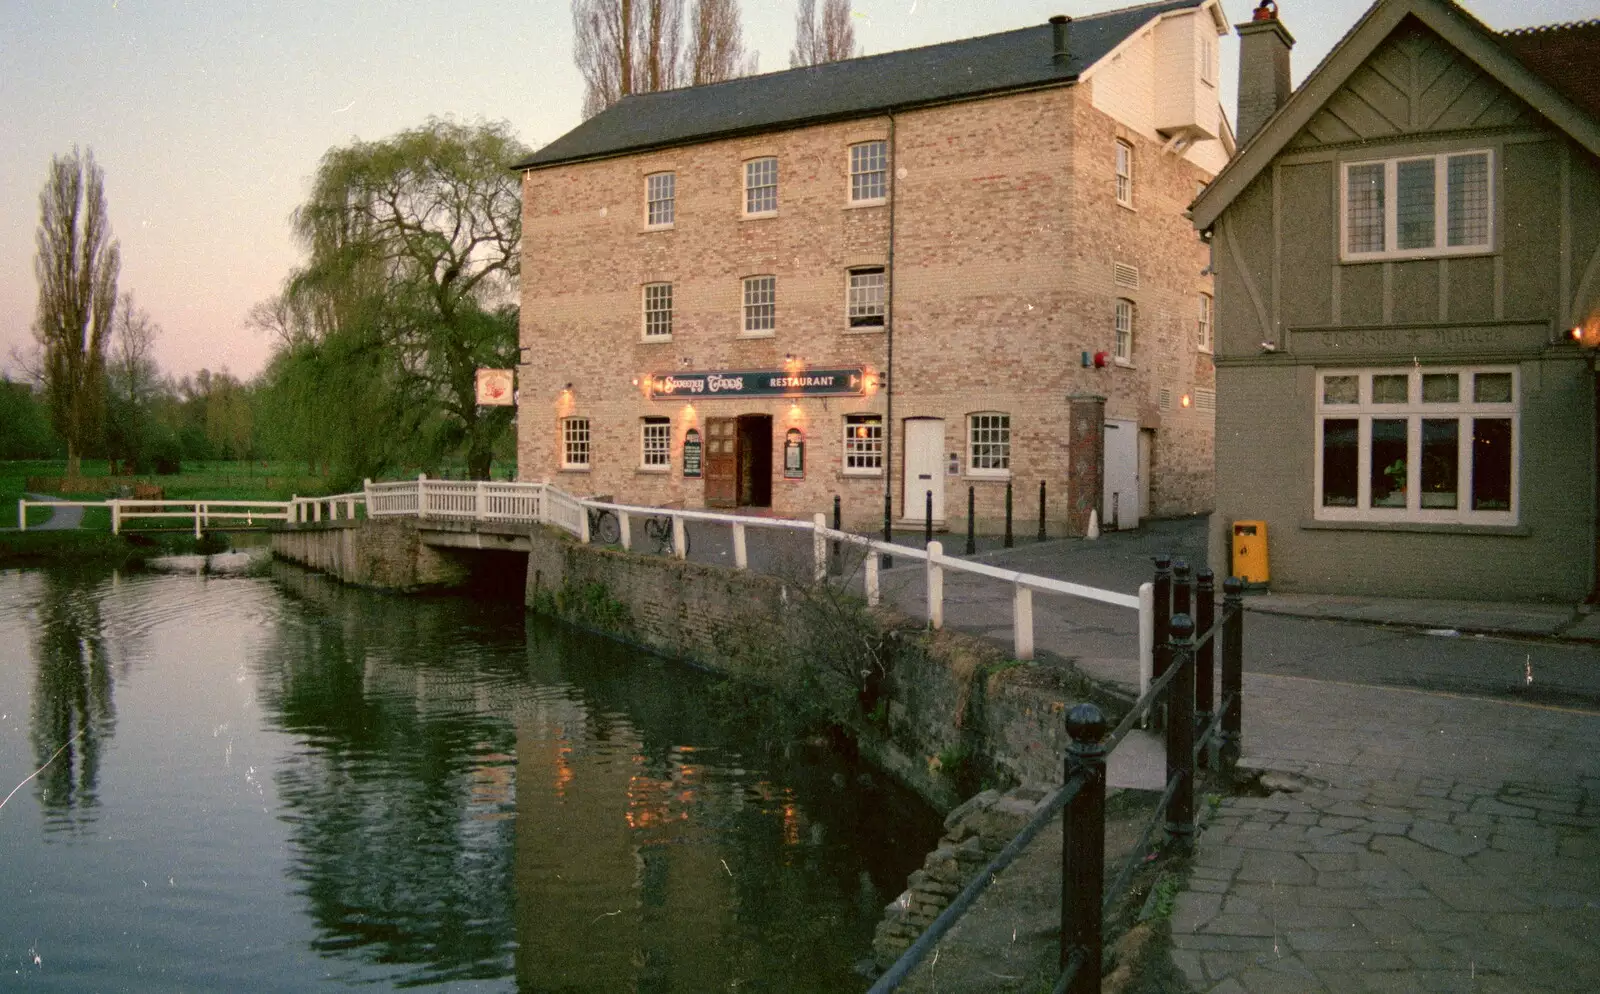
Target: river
{"x":257,"y":780}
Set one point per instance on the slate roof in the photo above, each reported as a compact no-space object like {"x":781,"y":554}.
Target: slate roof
{"x":1011,"y":60}
{"x":1565,"y":56}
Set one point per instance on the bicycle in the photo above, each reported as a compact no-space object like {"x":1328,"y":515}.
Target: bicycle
{"x":604,"y":527}
{"x":659,"y":529}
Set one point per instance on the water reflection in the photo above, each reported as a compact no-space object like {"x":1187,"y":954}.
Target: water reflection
{"x":72,"y":714}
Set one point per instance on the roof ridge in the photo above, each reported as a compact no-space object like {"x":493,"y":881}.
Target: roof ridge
{"x":1533,"y":29}
{"x":913,"y":48}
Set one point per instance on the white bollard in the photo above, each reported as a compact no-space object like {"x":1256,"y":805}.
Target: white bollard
{"x":1147,"y":635}
{"x":935,"y":585}
{"x":1094,"y":525}
{"x":819,"y":547}
{"x":741,"y":556}
{"x":1022,"y":621}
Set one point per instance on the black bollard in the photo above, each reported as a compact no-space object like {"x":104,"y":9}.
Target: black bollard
{"x":1083,"y":841}
{"x":927,"y":519}
{"x":888,"y":529}
{"x":1180,"y":735}
{"x":1232,"y":669}
{"x":1008,"y":514}
{"x":972,"y":533}
{"x":1205,"y":611}
{"x":1041,"y":511}
{"x":835,"y":566}
{"x":1159,"y":650}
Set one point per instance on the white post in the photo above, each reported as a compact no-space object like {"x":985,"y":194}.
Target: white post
{"x":316,"y":511}
{"x":872,"y":577}
{"x":22,"y":514}
{"x":350,"y":509}
{"x":116,"y":516}
{"x":482,"y":504}
{"x":197,"y":509}
{"x":819,"y":547}
{"x":935,"y":585}
{"x":680,"y":538}
{"x":1022,"y":621}
{"x":366,"y":491}
{"x":625,"y":525}
{"x":583,"y":523}
{"x":422,"y":496}
{"x":741,"y":557}
{"x":1147,"y":635}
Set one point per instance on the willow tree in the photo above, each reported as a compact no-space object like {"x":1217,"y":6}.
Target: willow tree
{"x":76,"y":267}
{"x":410,"y":285}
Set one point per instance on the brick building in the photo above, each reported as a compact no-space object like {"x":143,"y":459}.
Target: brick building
{"x":732,"y":292}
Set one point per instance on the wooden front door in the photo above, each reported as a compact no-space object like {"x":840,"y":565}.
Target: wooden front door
{"x":722,"y":462}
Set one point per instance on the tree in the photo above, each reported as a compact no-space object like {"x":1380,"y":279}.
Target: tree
{"x":626,"y":46}
{"x":413,"y":245}
{"x":831,"y":39}
{"x":24,"y":423}
{"x":76,"y":267}
{"x":716,"y":43}
{"x":132,"y":381}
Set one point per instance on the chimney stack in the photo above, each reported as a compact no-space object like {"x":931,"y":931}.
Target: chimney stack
{"x":1061,"y":30}
{"x":1264,"y":45}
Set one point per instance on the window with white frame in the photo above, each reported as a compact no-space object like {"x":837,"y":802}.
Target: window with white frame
{"x":869,"y":171}
{"x":660,"y":199}
{"x":1122,"y":344}
{"x":1424,"y":444}
{"x":760,"y":304}
{"x":574,"y":443}
{"x":989,"y":444}
{"x":655,"y":442}
{"x":866,"y":298}
{"x":1124,"y":173}
{"x":1203,"y":330}
{"x":761,"y":186}
{"x":863,"y":444}
{"x":1419,"y":206}
{"x":658,"y":311}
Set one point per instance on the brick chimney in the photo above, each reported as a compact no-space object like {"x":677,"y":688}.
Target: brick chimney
{"x":1264,"y":45}
{"x":1061,"y":39}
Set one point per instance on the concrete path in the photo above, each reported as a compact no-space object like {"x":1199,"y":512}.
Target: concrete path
{"x":61,"y":518}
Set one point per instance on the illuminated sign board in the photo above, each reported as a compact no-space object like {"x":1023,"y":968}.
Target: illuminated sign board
{"x":850,"y":382}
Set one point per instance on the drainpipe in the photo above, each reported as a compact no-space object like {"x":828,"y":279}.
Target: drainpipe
{"x":888,"y":330}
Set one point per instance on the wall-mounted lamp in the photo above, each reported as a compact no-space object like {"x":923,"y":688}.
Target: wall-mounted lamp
{"x":1185,"y":400}
{"x":569,"y":388}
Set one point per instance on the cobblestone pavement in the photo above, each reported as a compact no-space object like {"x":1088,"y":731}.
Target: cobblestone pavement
{"x":1422,"y":842}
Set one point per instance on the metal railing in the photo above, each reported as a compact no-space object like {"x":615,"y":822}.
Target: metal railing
{"x":1194,"y":725}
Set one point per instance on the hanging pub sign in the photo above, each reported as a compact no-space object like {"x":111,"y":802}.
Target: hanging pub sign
{"x":691,"y":453}
{"x":845,"y":382}
{"x":496,"y":387}
{"x":794,"y":455}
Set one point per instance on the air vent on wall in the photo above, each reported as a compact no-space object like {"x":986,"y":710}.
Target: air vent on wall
{"x":1125,"y":275}
{"x":1205,"y":400}
{"x":1164,"y":401}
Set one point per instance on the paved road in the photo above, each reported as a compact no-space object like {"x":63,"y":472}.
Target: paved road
{"x":1533,"y":670}
{"x":61,"y":518}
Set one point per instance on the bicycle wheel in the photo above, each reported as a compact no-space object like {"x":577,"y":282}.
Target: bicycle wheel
{"x":607,"y":531}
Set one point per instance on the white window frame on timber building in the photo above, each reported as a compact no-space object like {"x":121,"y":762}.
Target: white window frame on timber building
{"x":1417,"y":206}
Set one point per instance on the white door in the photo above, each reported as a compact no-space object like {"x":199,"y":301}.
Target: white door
{"x":1121,"y":507}
{"x":924,"y":467}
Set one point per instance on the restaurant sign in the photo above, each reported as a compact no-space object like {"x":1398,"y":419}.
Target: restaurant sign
{"x":849,"y":382}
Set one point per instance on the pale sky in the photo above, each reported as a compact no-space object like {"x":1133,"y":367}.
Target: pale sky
{"x":209,"y":116}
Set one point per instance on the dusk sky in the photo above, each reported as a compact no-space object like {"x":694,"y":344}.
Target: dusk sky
{"x":209,"y":118}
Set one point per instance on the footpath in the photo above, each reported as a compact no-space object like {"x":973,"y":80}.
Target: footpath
{"x":1412,"y":840}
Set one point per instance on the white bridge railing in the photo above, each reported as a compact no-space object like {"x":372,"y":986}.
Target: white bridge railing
{"x":482,"y":500}
{"x":541,"y":502}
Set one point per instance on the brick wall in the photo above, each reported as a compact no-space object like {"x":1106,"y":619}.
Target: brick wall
{"x":1006,"y":231}
{"x":382,"y":554}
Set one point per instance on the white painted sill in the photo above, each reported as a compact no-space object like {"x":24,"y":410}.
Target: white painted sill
{"x":851,"y":205}
{"x":655,"y":339}
{"x":758,"y":216}
{"x":659,"y":227}
{"x":758,"y":334}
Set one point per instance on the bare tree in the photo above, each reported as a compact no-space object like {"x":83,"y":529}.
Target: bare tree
{"x":76,"y":266}
{"x":716,"y":43}
{"x":626,"y":46}
{"x":132,"y":380}
{"x":831,"y":39}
